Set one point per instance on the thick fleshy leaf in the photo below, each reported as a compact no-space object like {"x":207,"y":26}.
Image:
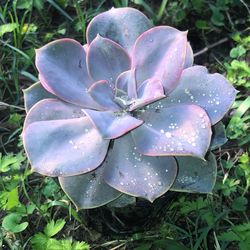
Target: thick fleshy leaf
{"x":64,"y":147}
{"x":149,"y":91}
{"x":103,"y":94}
{"x":126,"y":87}
{"x":106,"y":60}
{"x":210,"y":91}
{"x":88,"y":190}
{"x":219,"y":136}
{"x":154,"y":53}
{"x":34,"y":94}
{"x":135,"y":174}
{"x":112,"y":125}
{"x":175,"y":130}
{"x":52,"y":109}
{"x":195,"y":175}
{"x":62,"y":71}
{"x":122,"y":25}
{"x":189,"y":60}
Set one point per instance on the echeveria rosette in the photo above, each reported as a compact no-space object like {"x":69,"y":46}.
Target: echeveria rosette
{"x":125,"y":113}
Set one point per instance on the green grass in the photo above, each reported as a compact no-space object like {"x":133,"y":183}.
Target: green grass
{"x":35,"y":213}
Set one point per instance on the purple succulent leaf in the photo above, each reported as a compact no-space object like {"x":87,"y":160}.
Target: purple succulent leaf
{"x":126,"y":86}
{"x":175,"y":130}
{"x":219,"y":137}
{"x":112,"y":125}
{"x":195,"y":175}
{"x":52,"y":109}
{"x":35,"y":93}
{"x":135,"y":174}
{"x":50,"y":146}
{"x":189,"y":60}
{"x":106,"y":60}
{"x":154,"y":53}
{"x":63,"y":72}
{"x":149,"y":91}
{"x":122,"y":25}
{"x":210,"y":91}
{"x":103,"y":94}
{"x":88,"y":190}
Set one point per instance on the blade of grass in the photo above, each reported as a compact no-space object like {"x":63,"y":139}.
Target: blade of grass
{"x":117,"y":3}
{"x":18,"y":51}
{"x":29,"y":75}
{"x":63,"y":12}
{"x":124,"y":3}
{"x":3,"y":11}
{"x":81,"y":18}
{"x":244,"y":106}
{"x":161,"y":10}
{"x":145,"y":6}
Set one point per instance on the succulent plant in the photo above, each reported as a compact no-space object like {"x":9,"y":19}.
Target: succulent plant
{"x":127,"y":113}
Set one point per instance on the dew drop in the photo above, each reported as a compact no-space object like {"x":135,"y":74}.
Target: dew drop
{"x":168,"y":134}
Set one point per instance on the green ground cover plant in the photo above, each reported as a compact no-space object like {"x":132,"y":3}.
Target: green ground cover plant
{"x":36,"y":214}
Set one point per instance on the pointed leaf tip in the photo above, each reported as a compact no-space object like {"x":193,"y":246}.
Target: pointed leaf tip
{"x":112,"y":124}
{"x":106,"y":60}
{"x":122,"y":25}
{"x":89,"y":190}
{"x":195,"y":175}
{"x":163,"y":45}
{"x":34,"y":94}
{"x":214,"y":92}
{"x":135,"y":174}
{"x":186,"y":131}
